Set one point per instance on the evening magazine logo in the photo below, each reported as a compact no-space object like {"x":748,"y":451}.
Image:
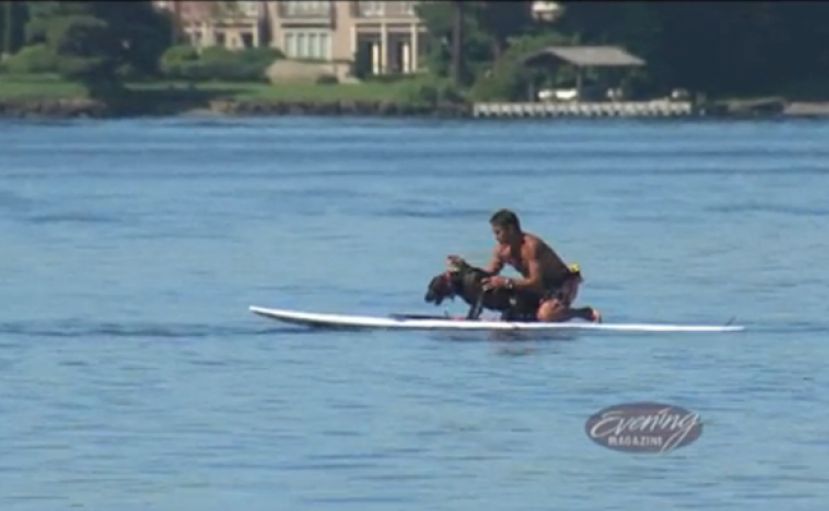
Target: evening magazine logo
{"x":644,"y":427}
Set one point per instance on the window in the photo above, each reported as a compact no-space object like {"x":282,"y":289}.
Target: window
{"x":324,"y":46}
{"x":300,"y":46}
{"x":306,"y":8}
{"x":249,"y":8}
{"x":371,"y":8}
{"x":290,"y":44}
{"x":313,"y":48}
{"x":308,"y":45}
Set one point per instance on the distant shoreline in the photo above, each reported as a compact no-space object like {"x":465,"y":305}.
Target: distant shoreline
{"x":90,"y":108}
{"x":69,"y":108}
{"x":50,"y":96}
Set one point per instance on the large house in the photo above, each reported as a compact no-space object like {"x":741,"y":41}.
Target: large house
{"x":234,"y":25}
{"x":383,"y":36}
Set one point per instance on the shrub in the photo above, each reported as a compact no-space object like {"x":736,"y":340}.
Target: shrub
{"x":85,"y":46}
{"x":37,"y":58}
{"x":263,"y":56}
{"x":431,"y":91}
{"x":448,"y":93}
{"x":327,"y":80}
{"x":424,"y":93}
{"x":361,"y":67}
{"x":128,"y":72}
{"x":176,"y":57}
{"x":217,"y":63}
{"x":388,"y":78}
{"x":509,"y":77}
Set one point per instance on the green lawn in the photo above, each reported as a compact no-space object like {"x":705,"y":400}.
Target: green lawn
{"x":368,"y":91}
{"x":170,"y":96}
{"x":257,"y":91}
{"x":38,"y":87}
{"x":50,"y":86}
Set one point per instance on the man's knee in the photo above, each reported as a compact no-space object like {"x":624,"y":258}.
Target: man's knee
{"x":550,"y":310}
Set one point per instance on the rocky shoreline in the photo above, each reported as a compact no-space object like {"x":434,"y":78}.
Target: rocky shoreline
{"x":359,"y":108}
{"x":68,"y":108}
{"x":53,"y":108}
{"x":88,"y":108}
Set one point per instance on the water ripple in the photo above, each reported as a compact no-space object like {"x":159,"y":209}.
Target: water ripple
{"x":82,"y":329}
{"x":133,"y":377}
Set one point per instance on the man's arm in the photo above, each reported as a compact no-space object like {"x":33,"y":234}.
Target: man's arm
{"x":496,"y":264}
{"x":532,"y":258}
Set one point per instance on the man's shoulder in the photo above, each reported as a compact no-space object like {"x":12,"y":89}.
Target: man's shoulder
{"x":533,"y":241}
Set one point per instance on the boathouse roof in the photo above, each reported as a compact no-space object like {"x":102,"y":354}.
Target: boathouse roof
{"x":586,"y":56}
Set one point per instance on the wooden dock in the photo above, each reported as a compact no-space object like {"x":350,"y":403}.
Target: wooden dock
{"x":656,"y":108}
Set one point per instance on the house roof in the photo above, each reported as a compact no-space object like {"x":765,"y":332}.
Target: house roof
{"x":196,"y":12}
{"x":587,"y":56}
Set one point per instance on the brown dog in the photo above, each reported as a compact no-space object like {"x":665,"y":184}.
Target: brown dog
{"x":466,"y":281}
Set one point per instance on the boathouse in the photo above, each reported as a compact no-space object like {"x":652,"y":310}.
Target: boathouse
{"x":613,"y":60}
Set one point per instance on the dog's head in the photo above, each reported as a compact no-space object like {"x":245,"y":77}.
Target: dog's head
{"x":440,"y":287}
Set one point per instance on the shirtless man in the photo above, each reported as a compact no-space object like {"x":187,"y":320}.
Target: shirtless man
{"x":545,"y":275}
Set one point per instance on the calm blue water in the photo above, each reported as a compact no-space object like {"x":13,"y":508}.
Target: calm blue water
{"x":132,"y":376}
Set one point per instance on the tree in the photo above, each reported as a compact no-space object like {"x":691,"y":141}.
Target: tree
{"x":12,"y":20}
{"x":718,"y":48}
{"x":465,"y":37}
{"x":502,"y":20}
{"x":794,"y":36}
{"x":457,"y":43}
{"x":510,"y":79}
{"x":86,"y":48}
{"x":142,"y":32}
{"x":722,"y":48}
{"x":8,"y":26}
{"x":93,"y":41}
{"x":636,"y":26}
{"x":437,"y":16}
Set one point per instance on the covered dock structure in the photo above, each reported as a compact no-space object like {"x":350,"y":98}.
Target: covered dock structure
{"x":582,"y":59}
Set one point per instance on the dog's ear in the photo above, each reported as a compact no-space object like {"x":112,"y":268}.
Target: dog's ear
{"x":436,"y":291}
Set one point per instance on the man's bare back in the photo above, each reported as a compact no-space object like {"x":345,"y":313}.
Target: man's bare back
{"x":531,"y":250}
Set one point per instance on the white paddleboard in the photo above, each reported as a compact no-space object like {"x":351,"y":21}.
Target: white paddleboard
{"x":349,"y":321}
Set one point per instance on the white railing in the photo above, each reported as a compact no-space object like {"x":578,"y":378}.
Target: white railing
{"x":305,"y":8}
{"x":380,"y":9}
{"x":656,"y":108}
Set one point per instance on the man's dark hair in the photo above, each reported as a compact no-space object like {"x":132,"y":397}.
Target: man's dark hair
{"x":505,"y":217}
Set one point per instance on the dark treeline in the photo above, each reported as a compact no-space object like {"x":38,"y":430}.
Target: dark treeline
{"x":720,"y":48}
{"x":717,"y":47}
{"x":712,"y":47}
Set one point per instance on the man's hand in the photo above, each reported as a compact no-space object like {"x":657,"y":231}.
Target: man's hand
{"x":495,"y":282}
